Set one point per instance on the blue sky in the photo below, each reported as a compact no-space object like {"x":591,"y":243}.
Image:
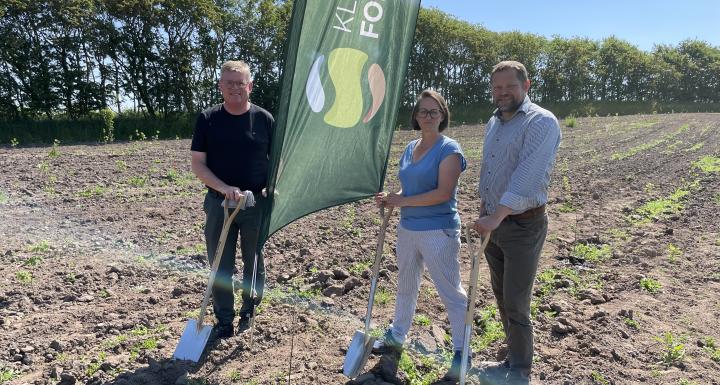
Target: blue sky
{"x":642,"y":23}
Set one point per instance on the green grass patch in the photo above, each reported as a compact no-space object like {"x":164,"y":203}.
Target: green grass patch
{"x":114,"y":342}
{"x":180,"y":179}
{"x":658,"y":208}
{"x":96,"y":191}
{"x":44,"y":167}
{"x":196,"y":313}
{"x":149,"y":343}
{"x":3,"y":198}
{"x":425,"y":372}
{"x":592,"y":253}
{"x":310,"y":293}
{"x":650,"y":285}
{"x":6,"y":375}
{"x":637,"y":149}
{"x":631,"y":323}
{"x":567,"y":207}
{"x":32,"y":261}
{"x":94,"y":366}
{"x":199,"y":248}
{"x":646,"y":146}
{"x":673,"y":351}
{"x":642,"y":124}
{"x":674,"y":252}
{"x":570,"y":122}
{"x":696,"y":147}
{"x":137,"y":181}
{"x":710,"y":347}
{"x":598,"y":378}
{"x":422,"y":320}
{"x":349,"y":219}
{"x":708,"y":164}
{"x":383,"y":296}
{"x":358,"y":268}
{"x":24,"y":277}
{"x":54,"y":150}
{"x":619,"y":234}
{"x":489,"y":329}
{"x":40,"y":247}
{"x":236,"y":376}
{"x":549,"y":279}
{"x":715,"y":355}
{"x":685,"y":381}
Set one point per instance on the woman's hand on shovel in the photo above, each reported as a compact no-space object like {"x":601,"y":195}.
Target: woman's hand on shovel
{"x":380,"y":198}
{"x":385,"y":199}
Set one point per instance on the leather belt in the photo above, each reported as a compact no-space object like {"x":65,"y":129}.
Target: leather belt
{"x":532,"y":213}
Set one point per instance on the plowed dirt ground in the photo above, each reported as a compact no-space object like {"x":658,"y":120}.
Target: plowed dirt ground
{"x":103,"y":261}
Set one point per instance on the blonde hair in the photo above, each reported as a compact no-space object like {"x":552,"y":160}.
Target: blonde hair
{"x":236,"y":66}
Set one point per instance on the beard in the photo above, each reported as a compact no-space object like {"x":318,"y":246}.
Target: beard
{"x":509,"y":104}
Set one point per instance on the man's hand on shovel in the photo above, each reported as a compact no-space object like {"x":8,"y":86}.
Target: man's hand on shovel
{"x":487,"y":223}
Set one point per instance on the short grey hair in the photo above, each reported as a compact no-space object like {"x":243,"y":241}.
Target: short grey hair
{"x":236,"y":66}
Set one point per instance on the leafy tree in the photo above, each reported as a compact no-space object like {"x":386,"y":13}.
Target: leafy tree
{"x":74,"y":57}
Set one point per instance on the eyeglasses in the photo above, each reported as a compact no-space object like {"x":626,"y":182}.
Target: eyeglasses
{"x":425,"y":113}
{"x":235,"y":84}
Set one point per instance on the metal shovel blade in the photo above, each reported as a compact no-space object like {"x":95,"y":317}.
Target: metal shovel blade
{"x":193,"y":341}
{"x":357,"y":354}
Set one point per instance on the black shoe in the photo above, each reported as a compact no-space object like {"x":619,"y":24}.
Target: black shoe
{"x":453,"y":375}
{"x":224,"y":330}
{"x":244,"y":323}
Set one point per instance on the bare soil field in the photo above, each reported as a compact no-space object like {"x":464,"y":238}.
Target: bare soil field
{"x":103,"y":262}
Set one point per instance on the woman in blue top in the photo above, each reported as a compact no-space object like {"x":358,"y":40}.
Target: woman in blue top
{"x":429,"y":229}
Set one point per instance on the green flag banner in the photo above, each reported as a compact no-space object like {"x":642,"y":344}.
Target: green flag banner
{"x":343,"y":75}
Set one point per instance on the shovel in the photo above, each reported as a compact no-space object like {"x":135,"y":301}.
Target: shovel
{"x":195,"y":336}
{"x":472,"y":295}
{"x":362,"y":342}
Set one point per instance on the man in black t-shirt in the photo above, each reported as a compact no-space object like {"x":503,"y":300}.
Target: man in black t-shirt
{"x":230,"y":155}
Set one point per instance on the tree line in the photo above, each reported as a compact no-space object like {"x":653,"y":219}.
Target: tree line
{"x":158,"y":58}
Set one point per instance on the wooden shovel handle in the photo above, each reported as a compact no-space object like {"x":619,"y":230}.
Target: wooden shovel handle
{"x":216,"y":260}
{"x":376,"y":265}
{"x":475,"y":267}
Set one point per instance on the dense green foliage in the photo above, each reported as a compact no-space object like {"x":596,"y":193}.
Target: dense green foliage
{"x":63,"y":61}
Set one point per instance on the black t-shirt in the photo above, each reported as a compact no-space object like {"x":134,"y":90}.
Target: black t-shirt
{"x":237,"y":146}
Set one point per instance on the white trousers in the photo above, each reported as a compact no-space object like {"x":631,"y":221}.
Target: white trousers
{"x":439,"y":250}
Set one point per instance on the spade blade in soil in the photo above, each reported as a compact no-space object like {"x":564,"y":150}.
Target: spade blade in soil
{"x":193,"y":341}
{"x":357,"y":354}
